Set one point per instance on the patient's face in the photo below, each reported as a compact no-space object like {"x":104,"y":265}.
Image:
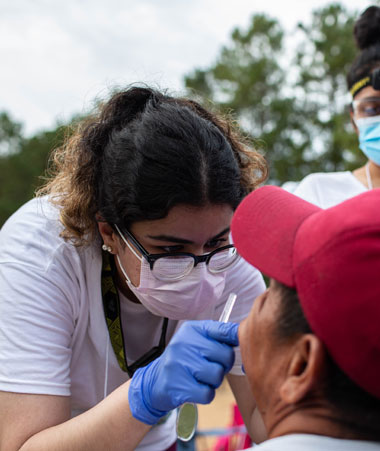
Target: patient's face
{"x":264,"y":358}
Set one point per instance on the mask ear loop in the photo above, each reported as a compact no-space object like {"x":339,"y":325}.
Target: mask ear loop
{"x":129,"y":246}
{"x":133,"y":252}
{"x":123,"y":270}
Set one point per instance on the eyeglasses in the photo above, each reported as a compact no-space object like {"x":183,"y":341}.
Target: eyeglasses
{"x":173,"y":266}
{"x":366,"y":107}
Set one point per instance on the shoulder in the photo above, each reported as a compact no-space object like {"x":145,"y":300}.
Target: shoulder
{"x":33,"y":227}
{"x":327,"y":189}
{"x":303,"y":442}
{"x":321,"y":178}
{"x":32,"y":236}
{"x":30,"y":244}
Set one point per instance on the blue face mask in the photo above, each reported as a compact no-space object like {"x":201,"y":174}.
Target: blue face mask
{"x":369,"y":137}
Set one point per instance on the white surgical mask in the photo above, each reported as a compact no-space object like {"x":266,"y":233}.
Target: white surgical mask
{"x":183,"y":299}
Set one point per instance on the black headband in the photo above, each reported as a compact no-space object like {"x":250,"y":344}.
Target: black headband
{"x":372,"y":79}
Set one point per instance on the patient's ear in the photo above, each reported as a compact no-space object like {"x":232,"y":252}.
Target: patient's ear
{"x":305,"y":370}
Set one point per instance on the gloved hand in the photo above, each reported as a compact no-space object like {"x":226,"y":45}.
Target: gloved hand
{"x":190,"y":369}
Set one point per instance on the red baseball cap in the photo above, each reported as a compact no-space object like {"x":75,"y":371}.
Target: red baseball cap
{"x":332,"y":258}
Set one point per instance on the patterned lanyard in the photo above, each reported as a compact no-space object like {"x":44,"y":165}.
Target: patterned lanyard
{"x":111,"y":306}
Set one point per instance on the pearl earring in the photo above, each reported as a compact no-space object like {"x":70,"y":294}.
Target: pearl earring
{"x":107,"y":248}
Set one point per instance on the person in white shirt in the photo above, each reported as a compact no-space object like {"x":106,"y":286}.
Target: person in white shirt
{"x":131,"y":238}
{"x":363,"y":81}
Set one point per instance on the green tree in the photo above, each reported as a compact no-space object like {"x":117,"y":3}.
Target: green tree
{"x":10,"y":135}
{"x":248,"y":80}
{"x":22,"y":163}
{"x":294,"y":103}
{"x":324,"y":57}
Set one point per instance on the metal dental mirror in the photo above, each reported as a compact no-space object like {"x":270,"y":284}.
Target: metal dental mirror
{"x":187,"y":417}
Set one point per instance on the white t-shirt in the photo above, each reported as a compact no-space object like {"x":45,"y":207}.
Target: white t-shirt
{"x":330,"y":188}
{"x":310,"y":442}
{"x":53,"y":334}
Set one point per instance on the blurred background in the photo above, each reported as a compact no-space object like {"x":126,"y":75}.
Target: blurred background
{"x":278,"y":67}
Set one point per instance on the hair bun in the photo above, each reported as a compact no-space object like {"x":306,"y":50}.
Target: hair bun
{"x":367,"y":28}
{"x":122,"y":108}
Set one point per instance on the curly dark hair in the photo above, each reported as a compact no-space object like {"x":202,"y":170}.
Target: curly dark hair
{"x":141,"y":154}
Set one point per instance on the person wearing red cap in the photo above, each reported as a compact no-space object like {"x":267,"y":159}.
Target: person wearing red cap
{"x":311,"y":344}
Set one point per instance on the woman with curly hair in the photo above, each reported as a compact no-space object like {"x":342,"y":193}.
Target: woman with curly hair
{"x":130,"y":239}
{"x":363,"y":82}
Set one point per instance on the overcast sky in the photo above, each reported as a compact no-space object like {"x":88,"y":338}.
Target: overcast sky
{"x":56,"y":56}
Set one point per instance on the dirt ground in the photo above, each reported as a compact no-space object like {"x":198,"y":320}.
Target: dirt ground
{"x":218,"y":414}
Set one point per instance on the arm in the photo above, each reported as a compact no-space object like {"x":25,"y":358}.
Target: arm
{"x":190,"y":369}
{"x":35,"y":357}
{"x":247,"y":406}
{"x":41,"y":422}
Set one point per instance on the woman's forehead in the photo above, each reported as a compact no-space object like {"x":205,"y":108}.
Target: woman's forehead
{"x":188,"y":222}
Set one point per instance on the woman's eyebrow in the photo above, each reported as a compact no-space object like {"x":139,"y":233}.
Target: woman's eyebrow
{"x":223,"y":232}
{"x":175,"y":239}
{"x":170,"y":238}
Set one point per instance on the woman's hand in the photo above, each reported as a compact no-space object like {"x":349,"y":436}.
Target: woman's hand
{"x":190,"y":369}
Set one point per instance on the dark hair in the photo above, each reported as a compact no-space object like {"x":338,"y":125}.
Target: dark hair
{"x":143,"y":153}
{"x":358,"y":413}
{"x":367,"y":37}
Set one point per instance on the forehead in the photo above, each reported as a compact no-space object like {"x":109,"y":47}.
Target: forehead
{"x":188,"y":221}
{"x":266,"y":308}
{"x":368,"y":91}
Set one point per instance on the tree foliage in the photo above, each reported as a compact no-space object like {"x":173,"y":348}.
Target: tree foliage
{"x":291,"y":100}
{"x":323,"y":63}
{"x":294,"y":103}
{"x":21,"y":168}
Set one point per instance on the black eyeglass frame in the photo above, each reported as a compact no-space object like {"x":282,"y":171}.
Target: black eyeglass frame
{"x":152,"y":258}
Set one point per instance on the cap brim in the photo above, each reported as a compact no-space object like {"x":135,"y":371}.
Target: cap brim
{"x":264,"y":228}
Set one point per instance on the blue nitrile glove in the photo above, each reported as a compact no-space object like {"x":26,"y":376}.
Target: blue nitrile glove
{"x":190,"y":369}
